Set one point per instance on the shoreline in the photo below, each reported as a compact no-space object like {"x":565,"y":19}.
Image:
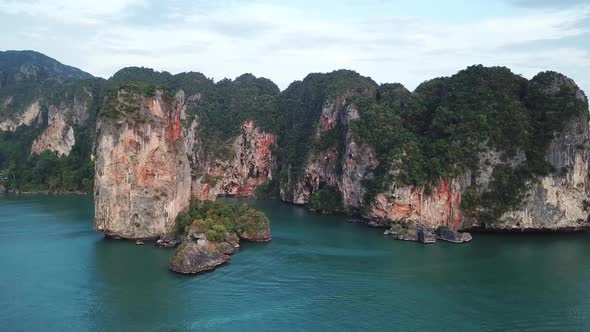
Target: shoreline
{"x":44,"y":192}
{"x":354,"y":218}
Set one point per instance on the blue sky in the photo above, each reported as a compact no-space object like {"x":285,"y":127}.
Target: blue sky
{"x":390,"y":41}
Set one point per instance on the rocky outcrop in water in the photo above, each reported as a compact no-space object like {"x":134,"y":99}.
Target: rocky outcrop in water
{"x":142,"y":171}
{"x":446,"y":234}
{"x":197,"y":256}
{"x":209,"y":243}
{"x":411,"y":231}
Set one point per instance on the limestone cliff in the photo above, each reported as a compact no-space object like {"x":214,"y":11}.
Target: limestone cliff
{"x":329,"y":167}
{"x":482,"y":148}
{"x":560,"y":200}
{"x":250,"y":166}
{"x":441,"y":207}
{"x":555,"y":200}
{"x":26,"y":118}
{"x":330,"y":158}
{"x":143,"y":176}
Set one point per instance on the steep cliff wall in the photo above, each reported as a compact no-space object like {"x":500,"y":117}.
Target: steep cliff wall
{"x":47,"y":132}
{"x":482,"y":148}
{"x":143,"y":176}
{"x":440,"y":207}
{"x":342,"y":164}
{"x":537,"y":182}
{"x":554,"y":199}
{"x":58,"y":136}
{"x":29,"y":115}
{"x":560,"y":200}
{"x":250,"y":166}
{"x":320,"y":152}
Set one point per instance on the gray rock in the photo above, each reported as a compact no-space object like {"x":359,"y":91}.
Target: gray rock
{"x":426,"y":236}
{"x":195,"y":257}
{"x":167,"y":241}
{"x":449,"y":235}
{"x":407,"y":235}
{"x":393,"y":230}
{"x":373,"y":224}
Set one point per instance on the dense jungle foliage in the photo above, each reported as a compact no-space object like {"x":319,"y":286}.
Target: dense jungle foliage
{"x":48,"y":171}
{"x":301,"y":107}
{"x":438,"y":131}
{"x":215,"y":219}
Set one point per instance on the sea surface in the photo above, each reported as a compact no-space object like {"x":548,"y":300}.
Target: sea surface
{"x":320,"y":273}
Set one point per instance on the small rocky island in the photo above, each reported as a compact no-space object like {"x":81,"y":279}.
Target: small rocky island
{"x":210,"y":232}
{"x":413,"y":231}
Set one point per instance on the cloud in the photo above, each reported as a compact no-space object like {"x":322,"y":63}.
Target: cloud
{"x":548,"y":3}
{"x":284,"y":43}
{"x":69,"y":11}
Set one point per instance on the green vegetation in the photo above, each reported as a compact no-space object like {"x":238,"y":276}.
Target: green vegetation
{"x":210,"y":180}
{"x":48,"y":171}
{"x":215,"y":219}
{"x":228,"y":104}
{"x":221,"y":107}
{"x":436,"y":132}
{"x":327,"y":199}
{"x":124,"y":99}
{"x":301,"y":107}
{"x":439,"y":130}
{"x":26,"y":76}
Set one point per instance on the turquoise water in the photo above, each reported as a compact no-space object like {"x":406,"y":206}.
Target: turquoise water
{"x":318,"y":273}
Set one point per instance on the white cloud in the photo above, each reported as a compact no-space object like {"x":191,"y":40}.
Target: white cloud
{"x":284,"y":43}
{"x":69,"y":11}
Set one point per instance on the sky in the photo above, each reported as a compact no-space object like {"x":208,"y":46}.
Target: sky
{"x":390,"y":41}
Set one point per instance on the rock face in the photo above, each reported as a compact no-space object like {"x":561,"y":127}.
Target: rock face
{"x":558,"y":201}
{"x":143,"y":176}
{"x":251,"y":166}
{"x":400,"y":204}
{"x":410,"y":231}
{"x":197,"y":256}
{"x":58,"y":136}
{"x":149,"y":160}
{"x":26,"y":118}
{"x":449,"y":235}
{"x":261,"y":235}
{"x":329,"y":167}
{"x":426,"y":236}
